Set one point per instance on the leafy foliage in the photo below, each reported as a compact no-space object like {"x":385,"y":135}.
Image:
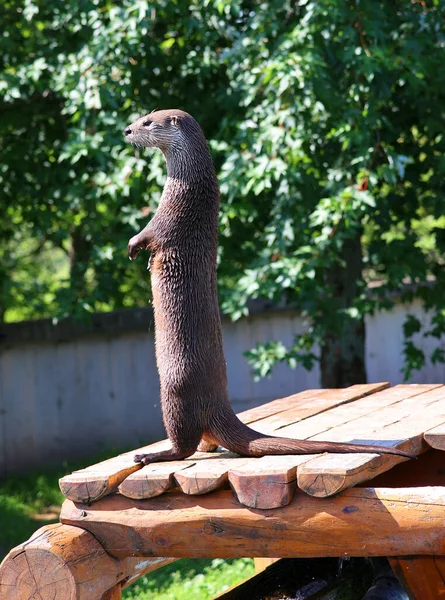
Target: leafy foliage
{"x":341,"y":140}
{"x":197,"y":578}
{"x":326,"y":123}
{"x":73,"y":75}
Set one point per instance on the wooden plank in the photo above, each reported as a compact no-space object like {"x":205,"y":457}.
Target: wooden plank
{"x":267,"y":482}
{"x":358,"y":522}
{"x":153,"y":480}
{"x":279,"y":479}
{"x":340,"y":415}
{"x":90,"y":484}
{"x":305,"y":404}
{"x":279,"y":405}
{"x":401,"y":425}
{"x":58,"y":561}
{"x":423,"y":577}
{"x":208,"y":475}
{"x":435,"y":437}
{"x":272,"y":482}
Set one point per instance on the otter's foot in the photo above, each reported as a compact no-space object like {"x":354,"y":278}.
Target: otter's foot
{"x":166,"y":455}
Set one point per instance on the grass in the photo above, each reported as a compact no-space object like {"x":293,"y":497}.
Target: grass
{"x":185,"y":579}
{"x":27,"y":503}
{"x":30,"y":501}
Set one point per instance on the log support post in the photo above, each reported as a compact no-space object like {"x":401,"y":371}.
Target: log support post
{"x":423,"y":577}
{"x":62,"y":562}
{"x":114,"y":594}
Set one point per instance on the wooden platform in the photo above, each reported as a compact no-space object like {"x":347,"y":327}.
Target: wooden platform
{"x":120,"y":520}
{"x":409,"y":417}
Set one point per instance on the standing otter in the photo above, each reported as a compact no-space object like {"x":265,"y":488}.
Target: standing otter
{"x":182,"y":237}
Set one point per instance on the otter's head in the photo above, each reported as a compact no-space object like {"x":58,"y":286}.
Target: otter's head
{"x":179,"y":137}
{"x":164,"y":129}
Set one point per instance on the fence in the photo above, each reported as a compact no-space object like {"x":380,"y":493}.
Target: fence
{"x":70,"y":389}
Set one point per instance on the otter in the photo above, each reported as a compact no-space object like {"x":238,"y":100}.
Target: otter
{"x":182,"y":237}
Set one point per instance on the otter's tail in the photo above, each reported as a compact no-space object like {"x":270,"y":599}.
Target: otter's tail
{"x":234,"y":435}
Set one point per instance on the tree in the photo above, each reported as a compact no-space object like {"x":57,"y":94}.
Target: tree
{"x":325,"y":119}
{"x":73,"y":76}
{"x":341,"y":147}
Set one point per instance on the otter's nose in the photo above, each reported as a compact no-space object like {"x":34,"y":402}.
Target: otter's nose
{"x":127,"y":131}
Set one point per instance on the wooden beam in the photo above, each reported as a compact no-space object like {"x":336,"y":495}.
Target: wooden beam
{"x":423,"y":577}
{"x":114,"y":594}
{"x":359,"y":522}
{"x":61,"y":562}
{"x":261,"y":564}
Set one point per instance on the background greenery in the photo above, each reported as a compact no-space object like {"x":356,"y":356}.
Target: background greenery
{"x":325,"y":120}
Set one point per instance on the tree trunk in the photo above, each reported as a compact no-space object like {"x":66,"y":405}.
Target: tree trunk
{"x":79,"y":261}
{"x":343,"y":351}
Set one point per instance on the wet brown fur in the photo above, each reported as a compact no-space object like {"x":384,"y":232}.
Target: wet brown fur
{"x":182,"y":239}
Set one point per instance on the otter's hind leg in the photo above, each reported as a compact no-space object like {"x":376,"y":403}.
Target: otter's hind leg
{"x":184,"y":434}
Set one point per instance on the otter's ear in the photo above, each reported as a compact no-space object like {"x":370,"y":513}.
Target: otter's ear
{"x":174,"y":121}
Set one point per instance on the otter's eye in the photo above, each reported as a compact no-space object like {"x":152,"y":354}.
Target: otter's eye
{"x":147,"y":123}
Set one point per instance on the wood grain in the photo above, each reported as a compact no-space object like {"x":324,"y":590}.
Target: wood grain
{"x":267,"y":482}
{"x":153,"y":480}
{"x":94,"y":482}
{"x":321,"y":426}
{"x":270,"y":482}
{"x":113,"y":594}
{"x":358,"y":522}
{"x":399,"y":425}
{"x":287,"y":411}
{"x":61,"y":562}
{"x":435,"y":437}
{"x":423,"y":577}
{"x":208,"y":475}
{"x":90,"y":484}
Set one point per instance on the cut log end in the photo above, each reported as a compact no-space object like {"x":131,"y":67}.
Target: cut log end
{"x":88,"y":486}
{"x":321,"y":485}
{"x":25,"y":573}
{"x":62,"y":562}
{"x":83,"y":491}
{"x":197,"y":484}
{"x":274,"y":491}
{"x":143,"y":487}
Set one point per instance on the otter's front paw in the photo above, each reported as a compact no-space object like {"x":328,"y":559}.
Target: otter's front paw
{"x":135,"y":245}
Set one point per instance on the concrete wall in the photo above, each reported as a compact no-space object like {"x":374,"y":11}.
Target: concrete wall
{"x":70,"y":389}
